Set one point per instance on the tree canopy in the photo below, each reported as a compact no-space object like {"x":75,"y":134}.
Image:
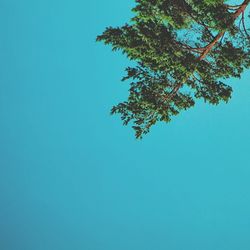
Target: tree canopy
{"x":183,"y":50}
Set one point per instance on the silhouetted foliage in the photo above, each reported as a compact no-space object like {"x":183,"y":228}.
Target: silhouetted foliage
{"x":183,"y":49}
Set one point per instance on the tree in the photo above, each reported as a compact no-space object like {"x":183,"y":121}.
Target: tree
{"x":183,"y":50}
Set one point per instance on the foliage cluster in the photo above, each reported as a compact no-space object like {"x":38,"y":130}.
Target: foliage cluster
{"x":184,"y":51}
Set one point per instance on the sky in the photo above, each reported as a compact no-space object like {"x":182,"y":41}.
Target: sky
{"x":73,"y":178}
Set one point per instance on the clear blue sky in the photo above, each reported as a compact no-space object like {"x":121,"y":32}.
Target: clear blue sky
{"x":73,"y":178}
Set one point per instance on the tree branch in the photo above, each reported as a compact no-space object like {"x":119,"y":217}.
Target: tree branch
{"x":244,"y":25}
{"x":208,"y":48}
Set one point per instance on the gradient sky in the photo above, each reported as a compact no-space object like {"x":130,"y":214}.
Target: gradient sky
{"x":73,"y":178}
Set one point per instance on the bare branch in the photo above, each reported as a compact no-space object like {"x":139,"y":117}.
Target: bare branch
{"x":244,"y":25}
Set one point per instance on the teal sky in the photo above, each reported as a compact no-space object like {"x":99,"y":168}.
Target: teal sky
{"x":73,"y":178}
